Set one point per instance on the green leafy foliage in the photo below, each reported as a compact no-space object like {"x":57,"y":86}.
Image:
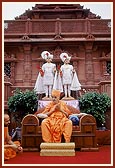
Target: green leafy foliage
{"x":22,"y":103}
{"x":95,"y":104}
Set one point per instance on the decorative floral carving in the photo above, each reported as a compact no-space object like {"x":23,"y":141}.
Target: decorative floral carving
{"x":58,"y":37}
{"x":57,"y":51}
{"x":6,"y":78}
{"x":9,"y":55}
{"x":90,"y":37}
{"x":25,"y":37}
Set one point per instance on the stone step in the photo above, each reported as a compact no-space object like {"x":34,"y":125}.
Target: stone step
{"x":70,"y":145}
{"x":57,"y":149}
{"x":57,"y":152}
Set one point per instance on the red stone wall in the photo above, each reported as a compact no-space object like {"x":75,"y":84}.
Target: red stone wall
{"x":63,"y":28}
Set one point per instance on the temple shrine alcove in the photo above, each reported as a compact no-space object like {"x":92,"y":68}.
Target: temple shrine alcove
{"x":57,"y":28}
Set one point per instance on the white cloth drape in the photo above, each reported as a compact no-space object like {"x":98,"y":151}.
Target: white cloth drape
{"x":75,"y":85}
{"x":58,"y":82}
{"x":39,"y":87}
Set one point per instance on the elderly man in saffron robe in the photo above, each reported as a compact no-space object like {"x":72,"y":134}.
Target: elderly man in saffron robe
{"x":10,"y":148}
{"x":56,"y":122}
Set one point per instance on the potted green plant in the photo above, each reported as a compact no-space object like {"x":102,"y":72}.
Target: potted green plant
{"x":21,"y":104}
{"x":95,"y":104}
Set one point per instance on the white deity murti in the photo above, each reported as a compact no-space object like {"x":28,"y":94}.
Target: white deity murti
{"x":45,"y":79}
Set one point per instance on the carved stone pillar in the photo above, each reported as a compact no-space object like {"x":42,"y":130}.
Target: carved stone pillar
{"x":7,"y":90}
{"x":12,"y":72}
{"x":27,"y":65}
{"x":89,"y":64}
{"x":75,"y":64}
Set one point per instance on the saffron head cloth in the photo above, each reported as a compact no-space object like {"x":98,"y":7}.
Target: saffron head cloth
{"x":56,"y":93}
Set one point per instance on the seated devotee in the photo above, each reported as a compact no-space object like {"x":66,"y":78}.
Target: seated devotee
{"x":56,"y":122}
{"x":10,"y":148}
